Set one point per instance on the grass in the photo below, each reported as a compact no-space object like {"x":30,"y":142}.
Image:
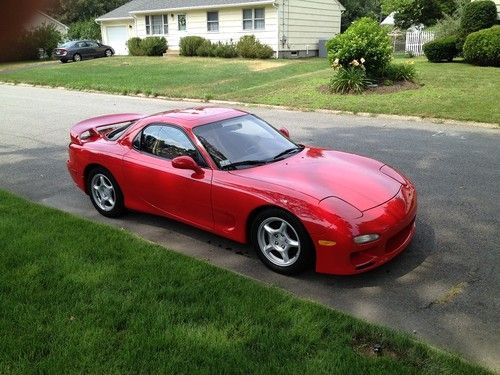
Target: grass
{"x":80,"y":297}
{"x":453,"y":91}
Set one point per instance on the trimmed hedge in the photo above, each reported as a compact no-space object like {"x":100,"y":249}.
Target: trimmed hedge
{"x":189,"y":45}
{"x":483,"y":47}
{"x":444,"y":49}
{"x":478,"y":15}
{"x":150,"y":46}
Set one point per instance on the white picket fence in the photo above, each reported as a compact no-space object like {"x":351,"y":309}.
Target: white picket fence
{"x":416,"y":39}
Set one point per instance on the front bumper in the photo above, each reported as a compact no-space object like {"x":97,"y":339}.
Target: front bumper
{"x":394,"y":221}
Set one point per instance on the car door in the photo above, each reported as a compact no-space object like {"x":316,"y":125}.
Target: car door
{"x":94,"y":49}
{"x":178,"y":193}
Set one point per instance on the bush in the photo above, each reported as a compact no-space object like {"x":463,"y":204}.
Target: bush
{"x":225,"y":50}
{"x":483,"y":47}
{"x":478,"y":15}
{"x":154,"y":46}
{"x":87,"y":29}
{"x":441,"y":49}
{"x":189,"y":45}
{"x":134,"y":47}
{"x":249,"y":47}
{"x":206,"y":49}
{"x":365,"y":38}
{"x":351,"y":79}
{"x":400,"y":72}
{"x":46,"y":38}
{"x":150,"y":46}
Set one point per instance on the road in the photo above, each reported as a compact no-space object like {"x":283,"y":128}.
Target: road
{"x":443,"y":289}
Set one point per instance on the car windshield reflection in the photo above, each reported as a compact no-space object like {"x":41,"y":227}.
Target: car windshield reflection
{"x":244,"y":142}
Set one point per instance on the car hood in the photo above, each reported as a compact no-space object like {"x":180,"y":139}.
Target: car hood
{"x":320,"y":173}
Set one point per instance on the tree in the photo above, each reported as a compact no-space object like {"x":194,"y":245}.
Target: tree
{"x":70,"y":11}
{"x":356,"y":9}
{"x":88,"y":29}
{"x":416,"y":12}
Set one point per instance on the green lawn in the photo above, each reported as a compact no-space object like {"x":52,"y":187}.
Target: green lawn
{"x":80,"y":297}
{"x":454,"y":91}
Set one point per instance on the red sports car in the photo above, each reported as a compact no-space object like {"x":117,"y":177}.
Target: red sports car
{"x":229,"y":172}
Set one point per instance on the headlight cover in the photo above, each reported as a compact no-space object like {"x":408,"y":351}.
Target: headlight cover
{"x":365,"y":238}
{"x":341,"y":208}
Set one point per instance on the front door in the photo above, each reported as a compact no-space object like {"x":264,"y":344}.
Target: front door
{"x":181,"y":194}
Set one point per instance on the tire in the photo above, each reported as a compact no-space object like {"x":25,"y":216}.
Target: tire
{"x":108,"y":53}
{"x":77,"y":57}
{"x":105,"y":193}
{"x":291,"y":250}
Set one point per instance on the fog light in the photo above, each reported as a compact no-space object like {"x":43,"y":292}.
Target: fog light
{"x":366,"y":238}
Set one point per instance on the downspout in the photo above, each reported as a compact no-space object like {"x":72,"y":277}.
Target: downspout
{"x":277,"y":7}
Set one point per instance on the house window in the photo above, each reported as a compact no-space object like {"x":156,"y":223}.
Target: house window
{"x":181,"y":20}
{"x":254,"y":19}
{"x":212,"y":21}
{"x":157,"y":25}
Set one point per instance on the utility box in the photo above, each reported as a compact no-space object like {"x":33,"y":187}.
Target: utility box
{"x":322,"y":48}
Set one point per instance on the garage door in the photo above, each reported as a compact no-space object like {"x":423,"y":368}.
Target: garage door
{"x":117,"y":38}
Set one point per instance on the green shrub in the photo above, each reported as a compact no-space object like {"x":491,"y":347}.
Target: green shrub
{"x":478,"y":15}
{"x":154,"y":46}
{"x":365,"y":38}
{"x":249,"y":47}
{"x":225,"y":50}
{"x":483,"y":47}
{"x":87,"y":29}
{"x":206,"y":49}
{"x":189,"y":45}
{"x":134,"y":47}
{"x":351,"y":79}
{"x":150,"y":46}
{"x":45,"y":38}
{"x":400,"y":72}
{"x":441,"y":49}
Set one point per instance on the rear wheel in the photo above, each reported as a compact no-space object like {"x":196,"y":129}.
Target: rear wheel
{"x":282,"y":242}
{"x":108,"y":53}
{"x":77,"y":57}
{"x":105,"y":194}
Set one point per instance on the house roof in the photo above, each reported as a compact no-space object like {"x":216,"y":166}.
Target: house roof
{"x":144,"y":6}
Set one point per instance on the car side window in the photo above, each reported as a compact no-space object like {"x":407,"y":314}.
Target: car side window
{"x":92,"y":44}
{"x":81,"y":44}
{"x":167,"y":142}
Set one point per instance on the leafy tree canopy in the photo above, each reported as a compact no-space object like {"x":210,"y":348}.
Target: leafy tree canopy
{"x":356,"y":9}
{"x":70,"y":11}
{"x":415,"y":12}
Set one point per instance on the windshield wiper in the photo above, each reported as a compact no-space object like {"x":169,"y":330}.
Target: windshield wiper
{"x":244,"y":163}
{"x":288,"y":151}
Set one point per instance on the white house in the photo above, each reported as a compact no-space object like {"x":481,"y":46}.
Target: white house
{"x":291,"y":27}
{"x":39,"y":18}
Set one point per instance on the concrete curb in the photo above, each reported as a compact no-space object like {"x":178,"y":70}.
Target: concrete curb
{"x":434,"y":120}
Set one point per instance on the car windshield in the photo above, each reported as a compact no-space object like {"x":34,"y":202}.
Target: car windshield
{"x":243,"y":142}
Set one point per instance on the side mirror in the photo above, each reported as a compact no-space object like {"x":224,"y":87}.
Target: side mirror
{"x":285,"y":132}
{"x":186,"y":162}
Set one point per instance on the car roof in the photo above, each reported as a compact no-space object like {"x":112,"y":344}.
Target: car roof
{"x":192,"y":117}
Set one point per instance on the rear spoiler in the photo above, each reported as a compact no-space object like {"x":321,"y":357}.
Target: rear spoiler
{"x":91,"y":125}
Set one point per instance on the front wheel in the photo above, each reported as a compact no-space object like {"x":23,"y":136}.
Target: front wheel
{"x":108,"y":53}
{"x":105,"y":194}
{"x":281,"y":242}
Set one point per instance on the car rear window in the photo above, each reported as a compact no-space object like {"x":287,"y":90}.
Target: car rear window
{"x":117,"y":133}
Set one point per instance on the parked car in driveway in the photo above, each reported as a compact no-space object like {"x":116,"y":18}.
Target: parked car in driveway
{"x":78,"y":50}
{"x":231,"y":173}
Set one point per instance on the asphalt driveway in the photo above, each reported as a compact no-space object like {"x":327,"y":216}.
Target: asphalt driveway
{"x":443,"y":289}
